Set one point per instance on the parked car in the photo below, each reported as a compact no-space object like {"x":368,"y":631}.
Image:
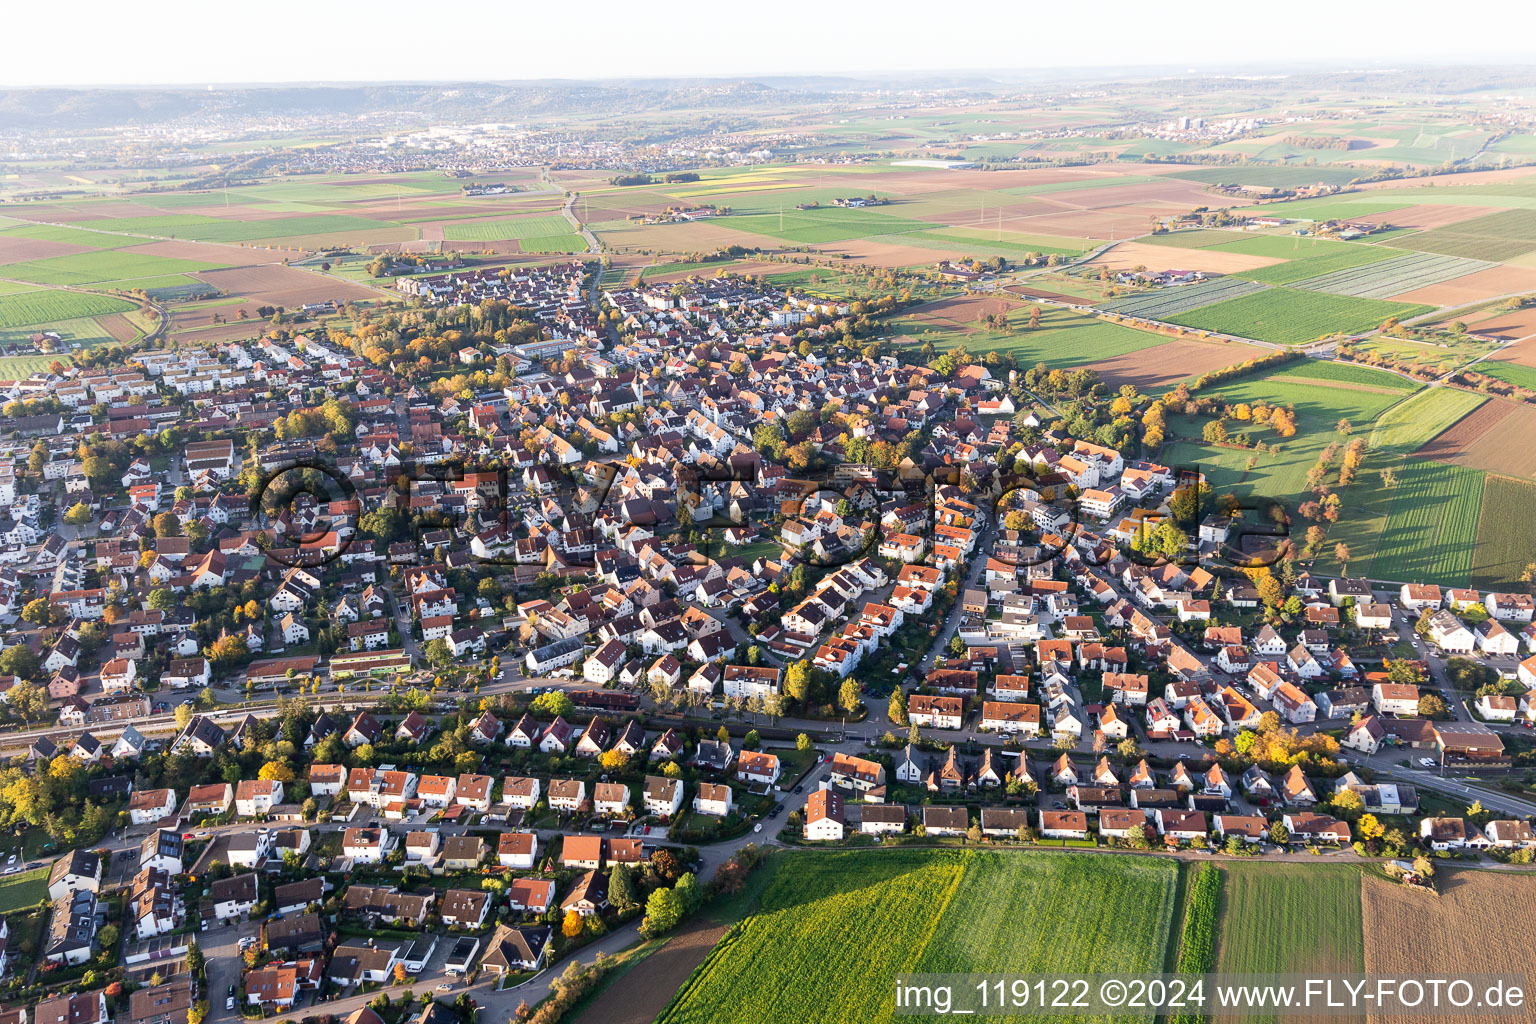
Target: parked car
{"x":1427,"y":762}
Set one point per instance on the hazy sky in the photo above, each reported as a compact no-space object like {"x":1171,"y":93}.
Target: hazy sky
{"x":89,"y":42}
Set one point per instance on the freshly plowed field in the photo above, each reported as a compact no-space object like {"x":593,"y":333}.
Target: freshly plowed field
{"x":1478,"y":924}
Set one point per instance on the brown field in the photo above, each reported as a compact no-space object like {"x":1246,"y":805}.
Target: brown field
{"x":52,"y":214}
{"x":1428,"y":215}
{"x":961,"y":312}
{"x":237,"y":331}
{"x":1475,"y":926}
{"x":22,"y":250}
{"x":1485,"y":284}
{"x":363,"y":236}
{"x":191,"y":319}
{"x":117,"y":325}
{"x":1470,"y":178}
{"x":283,"y":286}
{"x":642,"y":993}
{"x":1119,"y":222}
{"x":1520,"y":323}
{"x":1127,"y":255}
{"x":1484,"y":439}
{"x":1167,"y":364}
{"x":1525,"y":352}
{"x":883,"y":254}
{"x":1041,"y":293}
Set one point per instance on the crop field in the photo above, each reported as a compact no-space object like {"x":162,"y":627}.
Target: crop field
{"x":1494,"y":438}
{"x":1477,"y":925}
{"x":834,"y":929}
{"x":1165,"y":303}
{"x":568,"y":242}
{"x":96,"y":267}
{"x":225,"y":229}
{"x":1347,"y":373}
{"x":507,"y":227}
{"x":1380,"y":280}
{"x":828,"y":224}
{"x":1432,"y":529}
{"x":1306,"y":264}
{"x":1495,"y":236}
{"x":1289,"y":317}
{"x":1289,"y":918}
{"x":42,"y":307}
{"x":1199,"y":238}
{"x":1506,"y":544}
{"x":1409,"y":425}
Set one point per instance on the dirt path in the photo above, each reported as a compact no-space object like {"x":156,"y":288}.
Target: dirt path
{"x":641,"y":994}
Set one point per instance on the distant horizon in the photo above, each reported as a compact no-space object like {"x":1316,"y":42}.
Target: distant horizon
{"x":286,"y":42}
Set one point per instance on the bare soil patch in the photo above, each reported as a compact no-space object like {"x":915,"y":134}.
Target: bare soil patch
{"x":883,"y":254}
{"x":1520,"y":323}
{"x":1128,"y":255}
{"x":1492,"y":437}
{"x":203,"y":252}
{"x":117,"y":325}
{"x":1167,"y":364}
{"x":1478,"y":924}
{"x":1041,"y":293}
{"x":24,"y":250}
{"x":1428,"y":215}
{"x":641,"y":994}
{"x":962,"y":311}
{"x":1485,"y":284}
{"x":1525,"y":352}
{"x":284,"y":286}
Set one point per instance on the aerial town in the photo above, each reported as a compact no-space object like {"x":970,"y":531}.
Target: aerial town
{"x":475,"y":571}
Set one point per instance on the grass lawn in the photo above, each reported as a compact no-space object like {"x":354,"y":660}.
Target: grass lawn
{"x":94,"y":267}
{"x":1289,"y":316}
{"x":39,"y":306}
{"x":1408,"y":426}
{"x":23,"y":890}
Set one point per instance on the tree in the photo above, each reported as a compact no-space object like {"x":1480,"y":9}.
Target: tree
{"x":1432,"y":706}
{"x":276,"y":771}
{"x":183,"y":715}
{"x":663,"y":911}
{"x":848,"y":696}
{"x":1348,"y":805}
{"x":802,"y":742}
{"x":572,"y":925}
{"x":1369,"y":828}
{"x":78,"y":515}
{"x":896,"y":710}
{"x":439,"y":654}
{"x":797,"y":680}
{"x":1279,"y":834}
{"x":1136,"y":838}
{"x":29,"y":701}
{"x":553,"y":703}
{"x":621,"y":887}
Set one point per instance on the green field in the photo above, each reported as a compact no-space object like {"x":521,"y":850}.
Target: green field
{"x":24,"y":309}
{"x":23,"y":890}
{"x":95,"y":267}
{"x":507,"y":227}
{"x":1407,"y":427}
{"x":1065,"y":339}
{"x":1269,"y":176}
{"x":1347,"y":373}
{"x":1505,"y":544}
{"x":707,"y":269}
{"x":1305,"y":263}
{"x":1432,"y":529}
{"x":568,"y":242}
{"x":1495,"y":236}
{"x":73,"y":236}
{"x":1290,"y":317}
{"x":218,"y":229}
{"x":827,"y":224}
{"x":1290,"y":918}
{"x":1518,"y":374}
{"x":1280,"y":474}
{"x":834,"y":929}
